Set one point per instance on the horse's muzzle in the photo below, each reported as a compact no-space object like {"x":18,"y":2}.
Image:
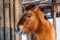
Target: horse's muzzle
{"x":18,"y":31}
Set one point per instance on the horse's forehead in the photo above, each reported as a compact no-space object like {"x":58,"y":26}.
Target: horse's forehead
{"x":27,"y":13}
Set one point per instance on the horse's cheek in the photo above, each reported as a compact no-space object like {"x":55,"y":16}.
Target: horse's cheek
{"x":26,"y":30}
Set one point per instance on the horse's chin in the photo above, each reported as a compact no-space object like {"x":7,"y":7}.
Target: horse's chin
{"x":24,"y":32}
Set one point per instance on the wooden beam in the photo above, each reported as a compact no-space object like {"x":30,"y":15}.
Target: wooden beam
{"x":28,"y":2}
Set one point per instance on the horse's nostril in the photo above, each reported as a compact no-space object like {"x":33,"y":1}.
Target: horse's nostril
{"x":16,"y":29}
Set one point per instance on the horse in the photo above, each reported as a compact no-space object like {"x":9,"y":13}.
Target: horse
{"x":33,"y":21}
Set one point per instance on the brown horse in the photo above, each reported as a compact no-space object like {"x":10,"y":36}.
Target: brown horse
{"x":33,"y":21}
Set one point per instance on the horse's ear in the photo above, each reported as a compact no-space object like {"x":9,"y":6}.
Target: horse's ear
{"x":36,"y":9}
{"x":40,"y":15}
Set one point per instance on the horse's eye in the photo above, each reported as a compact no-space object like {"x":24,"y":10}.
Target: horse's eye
{"x":28,"y":16}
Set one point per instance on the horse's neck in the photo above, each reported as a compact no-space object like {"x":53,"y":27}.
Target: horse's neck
{"x":35,"y":36}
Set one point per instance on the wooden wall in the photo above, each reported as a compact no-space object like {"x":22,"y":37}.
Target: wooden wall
{"x":10,"y":11}
{"x":1,"y":21}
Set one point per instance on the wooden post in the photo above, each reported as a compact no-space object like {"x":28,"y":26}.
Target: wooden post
{"x":12,"y":22}
{"x":1,"y":21}
{"x":17,"y":15}
{"x":54,"y":15}
{"x":54,"y":20}
{"x":7,"y":25}
{"x":54,"y":12}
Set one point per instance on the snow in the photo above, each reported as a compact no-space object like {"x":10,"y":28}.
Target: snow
{"x":57,"y":27}
{"x":24,"y":37}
